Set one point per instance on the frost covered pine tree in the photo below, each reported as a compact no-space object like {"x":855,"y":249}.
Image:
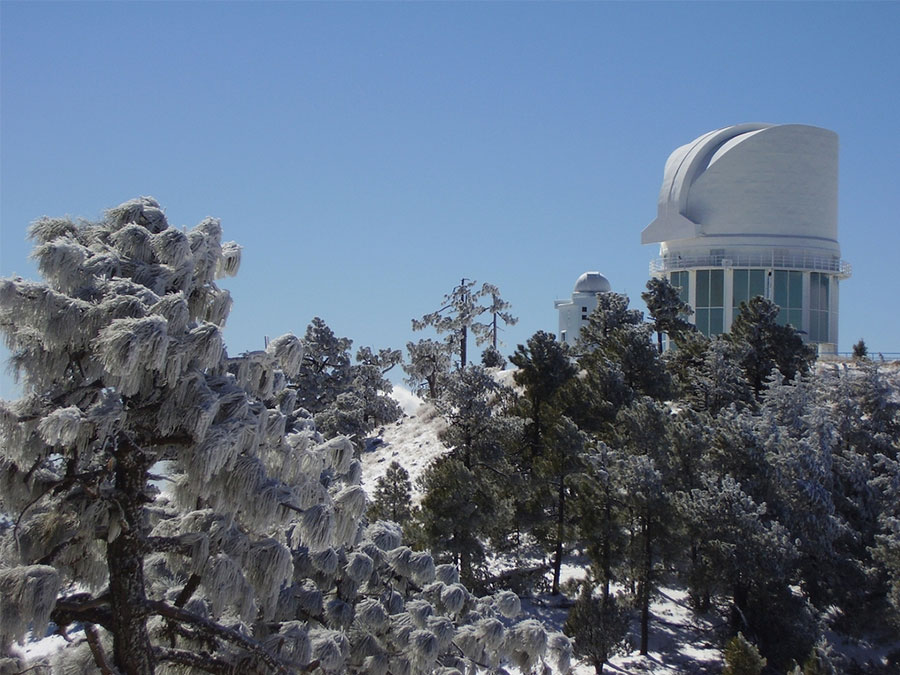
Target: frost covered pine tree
{"x":462,"y":306}
{"x":257,"y":560}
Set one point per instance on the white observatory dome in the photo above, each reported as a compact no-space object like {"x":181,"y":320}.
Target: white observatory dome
{"x":592,"y":282}
{"x":750,"y":185}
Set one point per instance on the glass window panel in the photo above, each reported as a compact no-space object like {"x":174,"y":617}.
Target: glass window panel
{"x":716,"y":288}
{"x":795,"y":289}
{"x":781,"y":293}
{"x":818,"y":326}
{"x":757,"y":283}
{"x":740,"y":288}
{"x":782,"y":318}
{"x":681,"y":281}
{"x":795,"y":318}
{"x":703,"y":321}
{"x":702,"y":288}
{"x":818,"y":291}
{"x":715,"y":321}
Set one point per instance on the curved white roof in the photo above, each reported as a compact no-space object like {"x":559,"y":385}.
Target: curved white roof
{"x":592,"y":282}
{"x":751,"y":182}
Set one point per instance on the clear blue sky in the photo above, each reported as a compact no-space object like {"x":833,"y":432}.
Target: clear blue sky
{"x":369,"y":155}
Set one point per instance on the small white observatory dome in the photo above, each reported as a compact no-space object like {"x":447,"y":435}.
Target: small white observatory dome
{"x":592,"y":282}
{"x":573,"y":314}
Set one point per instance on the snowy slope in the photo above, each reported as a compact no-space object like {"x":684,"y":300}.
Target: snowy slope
{"x":412,"y":441}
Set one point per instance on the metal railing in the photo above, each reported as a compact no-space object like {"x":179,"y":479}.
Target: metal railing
{"x":770,"y":260}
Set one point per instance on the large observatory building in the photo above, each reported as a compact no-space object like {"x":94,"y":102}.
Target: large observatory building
{"x":751,"y":210}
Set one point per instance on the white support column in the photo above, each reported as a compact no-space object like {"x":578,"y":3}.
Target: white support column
{"x":727,"y":298}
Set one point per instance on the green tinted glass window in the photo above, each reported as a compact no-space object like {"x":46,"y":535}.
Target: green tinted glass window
{"x":757,"y":284}
{"x":795,"y":290}
{"x":741,"y":284}
{"x":681,"y":281}
{"x":716,"y":288}
{"x":781,"y":288}
{"x":702,"y":288}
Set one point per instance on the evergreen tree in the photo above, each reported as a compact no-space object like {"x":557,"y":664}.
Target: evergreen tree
{"x":371,"y":385}
{"x":555,"y":470}
{"x":667,"y":310}
{"x":544,"y":368}
{"x":428,"y":367}
{"x":642,"y":431}
{"x":742,"y":657}
{"x":463,"y":501}
{"x":325,"y":372}
{"x":491,"y":358}
{"x":345,"y":398}
{"x":392,"y":499}
{"x":767,"y":345}
{"x":709,"y":374}
{"x":599,"y":509}
{"x":497,"y":310}
{"x":616,"y":337}
{"x":459,"y":315}
{"x":599,"y":627}
{"x":553,"y":445}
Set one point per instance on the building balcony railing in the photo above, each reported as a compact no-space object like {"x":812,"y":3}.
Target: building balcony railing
{"x":812,"y":263}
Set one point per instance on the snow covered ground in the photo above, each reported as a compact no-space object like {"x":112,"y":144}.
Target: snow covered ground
{"x":412,"y":441}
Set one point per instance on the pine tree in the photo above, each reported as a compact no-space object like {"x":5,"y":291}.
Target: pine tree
{"x":345,"y":398}
{"x":491,"y":358}
{"x":742,"y":657}
{"x":553,"y":443}
{"x":459,"y":315}
{"x":767,"y":345}
{"x":257,"y":560}
{"x":667,"y":310}
{"x":642,"y":430}
{"x":428,"y":367}
{"x":617,"y":338}
{"x":325,"y":372}
{"x":463,"y":501}
{"x":599,"y":627}
{"x":392,"y":499}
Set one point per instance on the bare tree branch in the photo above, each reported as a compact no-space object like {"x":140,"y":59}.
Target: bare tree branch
{"x":93,"y":640}
{"x":213,"y":628}
{"x":203,"y":661}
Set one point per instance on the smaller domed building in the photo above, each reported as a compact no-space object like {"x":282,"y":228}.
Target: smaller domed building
{"x":573,"y":314}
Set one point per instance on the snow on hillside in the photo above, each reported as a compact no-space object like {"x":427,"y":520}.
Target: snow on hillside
{"x":412,"y":441}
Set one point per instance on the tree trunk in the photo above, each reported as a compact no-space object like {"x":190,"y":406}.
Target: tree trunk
{"x":132,"y":649}
{"x":463,"y":336}
{"x":606,"y":556}
{"x":560,"y":527}
{"x":739,"y":609}
{"x":494,"y":329}
{"x":645,"y":588}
